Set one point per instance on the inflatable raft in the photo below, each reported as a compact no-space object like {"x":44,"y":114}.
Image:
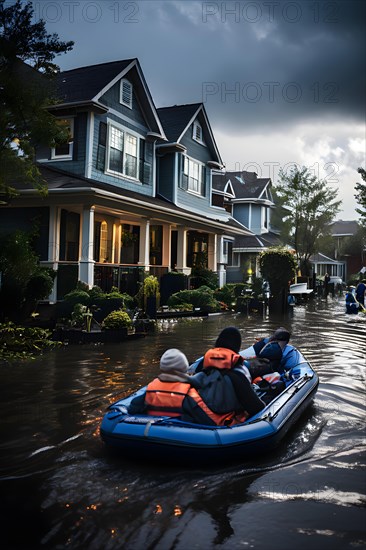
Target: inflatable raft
{"x":163,"y":438}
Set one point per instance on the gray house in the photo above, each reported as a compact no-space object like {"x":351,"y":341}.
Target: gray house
{"x":249,"y":200}
{"x":129,"y":191}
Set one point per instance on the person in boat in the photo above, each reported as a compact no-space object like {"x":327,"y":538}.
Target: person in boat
{"x":274,"y":354}
{"x":352,"y":305}
{"x":164,"y":396}
{"x":172,"y":394}
{"x":223,"y":383}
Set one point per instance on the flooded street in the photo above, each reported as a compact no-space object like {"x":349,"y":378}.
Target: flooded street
{"x":62,"y":489}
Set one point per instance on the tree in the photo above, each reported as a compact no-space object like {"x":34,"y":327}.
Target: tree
{"x":27,"y":76}
{"x":23,"y":281}
{"x":361,"y":197}
{"x":278,"y":267}
{"x":311,"y":206}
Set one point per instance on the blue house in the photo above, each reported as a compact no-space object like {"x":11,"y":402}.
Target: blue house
{"x":249,"y":200}
{"x":130,"y":189}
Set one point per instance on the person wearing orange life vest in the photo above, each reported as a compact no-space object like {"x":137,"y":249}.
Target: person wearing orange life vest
{"x":223,"y":382}
{"x":164,"y":396}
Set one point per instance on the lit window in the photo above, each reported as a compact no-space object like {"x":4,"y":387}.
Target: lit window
{"x":103,"y":255}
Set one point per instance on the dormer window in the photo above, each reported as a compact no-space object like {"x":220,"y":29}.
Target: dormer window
{"x":197,"y":133}
{"x":63,"y":149}
{"x":126,"y":93}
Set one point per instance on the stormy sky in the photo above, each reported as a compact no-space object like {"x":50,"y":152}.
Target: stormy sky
{"x":283,"y":82}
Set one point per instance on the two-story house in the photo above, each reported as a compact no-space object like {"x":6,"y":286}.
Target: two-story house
{"x":129,"y":191}
{"x":249,"y":200}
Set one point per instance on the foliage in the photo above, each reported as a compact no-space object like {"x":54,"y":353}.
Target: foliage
{"x":82,"y":316}
{"x":77,"y":297}
{"x":361,"y":196}
{"x":202,"y":298}
{"x":26,"y":73}
{"x":151,"y":286}
{"x":18,"y":342}
{"x":229,"y":293}
{"x":311,"y":206}
{"x":204,"y":277}
{"x":24,"y":282}
{"x":117,"y":320}
{"x":278,"y":267}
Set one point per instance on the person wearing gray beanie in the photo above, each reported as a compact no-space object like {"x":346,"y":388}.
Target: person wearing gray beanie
{"x":165,"y":394}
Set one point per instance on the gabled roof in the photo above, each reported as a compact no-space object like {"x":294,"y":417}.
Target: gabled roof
{"x":176,"y":120}
{"x":342,"y":228}
{"x":86,"y":85}
{"x":246,"y":185}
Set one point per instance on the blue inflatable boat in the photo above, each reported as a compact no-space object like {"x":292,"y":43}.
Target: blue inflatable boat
{"x":158,"y":437}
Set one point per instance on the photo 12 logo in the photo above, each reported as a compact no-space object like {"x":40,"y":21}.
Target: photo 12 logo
{"x":90,"y":12}
{"x":270,"y":92}
{"x":269,"y":12}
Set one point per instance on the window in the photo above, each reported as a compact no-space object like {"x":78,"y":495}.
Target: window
{"x":64,"y":148}
{"x":126,"y":93}
{"x":103,"y":251}
{"x":128,"y":155}
{"x":193,"y":176}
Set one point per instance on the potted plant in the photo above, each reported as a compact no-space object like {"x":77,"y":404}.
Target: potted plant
{"x":116,"y":326}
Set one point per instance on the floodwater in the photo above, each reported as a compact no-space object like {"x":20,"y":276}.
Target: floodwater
{"x":61,"y":488}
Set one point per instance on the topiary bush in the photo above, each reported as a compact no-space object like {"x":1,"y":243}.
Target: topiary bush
{"x":202,"y":298}
{"x":117,"y":320}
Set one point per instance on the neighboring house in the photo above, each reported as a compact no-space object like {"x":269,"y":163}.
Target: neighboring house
{"x":249,"y":200}
{"x":322,"y":264}
{"x":130,"y":189}
{"x":340,"y":231}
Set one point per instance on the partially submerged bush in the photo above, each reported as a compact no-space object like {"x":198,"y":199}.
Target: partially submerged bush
{"x":117,"y":320}
{"x":18,"y":342}
{"x":202,"y":298}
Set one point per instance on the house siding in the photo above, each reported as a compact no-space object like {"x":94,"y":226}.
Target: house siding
{"x":99,"y":175}
{"x":77,"y":164}
{"x":255,"y":225}
{"x":241,"y":214}
{"x":111,"y":99}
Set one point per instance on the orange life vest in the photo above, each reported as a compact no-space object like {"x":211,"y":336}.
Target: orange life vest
{"x":165,"y":398}
{"x":221,"y":358}
{"x":227,"y":419}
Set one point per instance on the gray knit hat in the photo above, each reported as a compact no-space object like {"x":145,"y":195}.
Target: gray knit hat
{"x":173,"y":360}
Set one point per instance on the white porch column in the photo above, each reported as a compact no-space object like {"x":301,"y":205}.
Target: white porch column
{"x":54,"y":247}
{"x":182,"y":251}
{"x":86,"y":262}
{"x":221,"y":271}
{"x":167,"y":245}
{"x":144,"y":252}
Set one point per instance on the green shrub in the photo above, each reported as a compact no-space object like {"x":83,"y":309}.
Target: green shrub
{"x":18,"y":342}
{"x":117,"y":320}
{"x":77,"y":297}
{"x":204,"y":277}
{"x":199,"y":298}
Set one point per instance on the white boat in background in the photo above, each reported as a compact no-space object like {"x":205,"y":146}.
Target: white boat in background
{"x":300,"y":288}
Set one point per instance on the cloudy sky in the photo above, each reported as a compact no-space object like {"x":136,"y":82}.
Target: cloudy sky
{"x":283,"y":82}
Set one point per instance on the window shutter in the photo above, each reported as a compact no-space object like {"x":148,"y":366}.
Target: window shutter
{"x":146,"y":162}
{"x":203,"y":187}
{"x":102,"y":142}
{"x":183,"y":177}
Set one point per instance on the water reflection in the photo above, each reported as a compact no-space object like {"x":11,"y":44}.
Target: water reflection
{"x":81,"y":496}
